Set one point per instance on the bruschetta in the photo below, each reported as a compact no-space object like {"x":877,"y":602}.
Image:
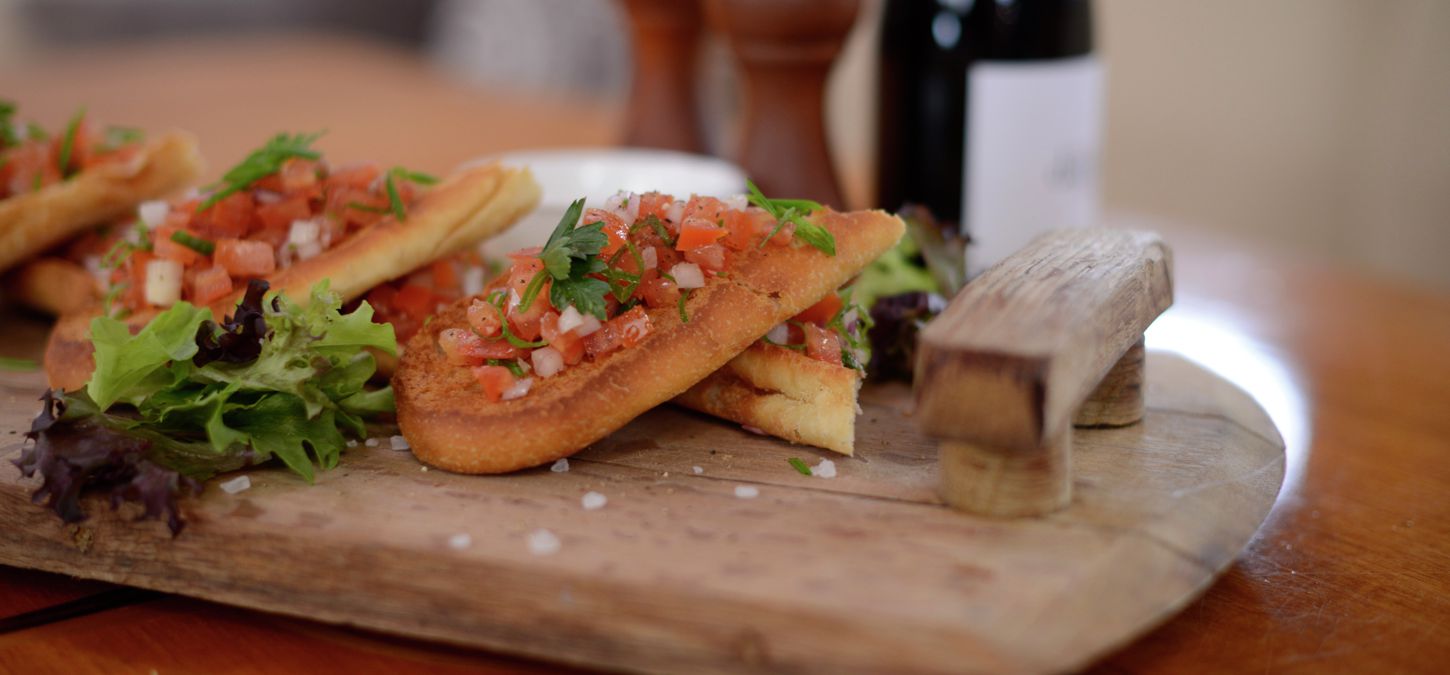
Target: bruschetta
{"x":622,"y":309}
{"x":55,"y":186}
{"x":287,"y":216}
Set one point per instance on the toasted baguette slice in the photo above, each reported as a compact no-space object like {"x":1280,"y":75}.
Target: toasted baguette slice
{"x":785,"y":394}
{"x":34,"y":222}
{"x":53,"y":285}
{"x":451,"y":424}
{"x":468,"y":207}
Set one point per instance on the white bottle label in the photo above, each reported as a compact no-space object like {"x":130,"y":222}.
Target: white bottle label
{"x":1031,"y":165}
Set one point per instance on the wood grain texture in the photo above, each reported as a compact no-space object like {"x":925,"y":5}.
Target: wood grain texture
{"x":1118,"y":399}
{"x":864,"y":572}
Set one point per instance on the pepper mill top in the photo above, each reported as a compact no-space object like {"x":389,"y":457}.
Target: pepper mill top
{"x":786,"y":49}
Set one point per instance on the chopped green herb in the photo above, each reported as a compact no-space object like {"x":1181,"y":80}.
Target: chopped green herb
{"x":511,"y":364}
{"x":263,"y":162}
{"x":509,"y":334}
{"x":35,"y":132}
{"x":390,"y":183}
{"x":35,"y":183}
{"x":8,"y":137}
{"x":193,"y":242}
{"x":395,"y":201}
{"x":684,"y":295}
{"x":17,"y":365}
{"x":68,"y":143}
{"x":800,"y":466}
{"x":118,"y":137}
{"x":659,"y":229}
{"x":570,"y":256}
{"x":794,"y":211}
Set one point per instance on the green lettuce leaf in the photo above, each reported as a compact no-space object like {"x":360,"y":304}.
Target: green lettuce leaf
{"x":131,"y":368}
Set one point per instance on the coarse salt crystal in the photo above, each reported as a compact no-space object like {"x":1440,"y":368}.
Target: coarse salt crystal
{"x":399,"y":443}
{"x":561,"y":465}
{"x":423,"y":468}
{"x":826,"y":469}
{"x":460,"y":541}
{"x":747,"y":491}
{"x":698,"y":469}
{"x":352,"y":442}
{"x":236,"y":485}
{"x":593,"y":501}
{"x":543,"y":542}
{"x":371,"y":442}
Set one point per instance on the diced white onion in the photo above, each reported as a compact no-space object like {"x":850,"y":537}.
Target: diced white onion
{"x":304,"y":232}
{"x":514,"y":298}
{"x":849,"y":319}
{"x":687,"y":275}
{"x":97,"y":269}
{"x":736,"y":203}
{"x":547,"y":361}
{"x":154,"y":212}
{"x":569,"y":319}
{"x":651,"y":258}
{"x":473,"y":280}
{"x":779,"y":335}
{"x":676,"y":212}
{"x":266,"y":196}
{"x":623,"y":204}
{"x":308,"y":251}
{"x":588,"y":324}
{"x":519,"y":388}
{"x":236,"y":485}
{"x":163,"y":282}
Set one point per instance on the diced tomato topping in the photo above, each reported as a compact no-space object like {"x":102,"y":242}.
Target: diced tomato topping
{"x":740,"y":230}
{"x":697,"y":232}
{"x":625,"y":330}
{"x":615,"y":229}
{"x":568,"y":343}
{"x":279,"y":215}
{"x":415,"y":300}
{"x":243,"y":258}
{"x":298,"y":175}
{"x":655,"y":204}
{"x":358,"y":176}
{"x":464,"y":348}
{"x":708,"y":209}
{"x":657,"y":291}
{"x":525,"y":324}
{"x":710,"y":258}
{"x":494,"y":379}
{"x":822,"y":344}
{"x":445,"y":275}
{"x":821,"y":312}
{"x":484,"y":318}
{"x":210,"y":285}
{"x":231,"y":217}
{"x":164,"y":247}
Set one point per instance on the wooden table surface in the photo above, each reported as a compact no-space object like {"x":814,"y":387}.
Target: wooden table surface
{"x":1347,"y":575}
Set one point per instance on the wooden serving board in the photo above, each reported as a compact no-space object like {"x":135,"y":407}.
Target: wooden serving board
{"x":867,"y":572}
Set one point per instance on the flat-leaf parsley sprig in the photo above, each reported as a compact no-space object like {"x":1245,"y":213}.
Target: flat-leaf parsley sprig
{"x":794,"y":211}
{"x":570,"y":256}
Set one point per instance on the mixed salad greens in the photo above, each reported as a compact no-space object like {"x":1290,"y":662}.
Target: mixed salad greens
{"x":185,"y":399}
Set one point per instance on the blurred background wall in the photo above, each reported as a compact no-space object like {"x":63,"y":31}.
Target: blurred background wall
{"x":1321,"y":126}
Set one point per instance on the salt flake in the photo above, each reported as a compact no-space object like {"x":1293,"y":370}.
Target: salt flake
{"x":826,"y":469}
{"x":399,"y":443}
{"x":236,"y":485}
{"x":747,"y":491}
{"x":543,"y":542}
{"x":561,"y":465}
{"x":593,"y":501}
{"x":460,"y":541}
{"x":698,"y":469}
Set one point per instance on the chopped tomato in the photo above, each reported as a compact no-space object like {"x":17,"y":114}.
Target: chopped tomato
{"x":231,"y":217}
{"x":710,"y":258}
{"x":359,"y":176}
{"x":445,"y":275}
{"x":298,"y":175}
{"x":415,"y":300}
{"x":709,"y":209}
{"x":625,"y":330}
{"x":658,"y":291}
{"x":697,"y":232}
{"x":655,"y":204}
{"x":381,"y":298}
{"x":484,"y":318}
{"x":822,"y":344}
{"x":164,"y":247}
{"x":525,"y":324}
{"x":243,"y":258}
{"x":462,"y":347}
{"x":494,"y":379}
{"x":279,"y":215}
{"x":822,"y":311}
{"x":741,"y":230}
{"x":210,"y":285}
{"x":615,"y":229}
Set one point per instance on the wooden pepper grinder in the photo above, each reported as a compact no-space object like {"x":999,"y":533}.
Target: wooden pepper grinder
{"x":785,"y":49}
{"x":666,"y":38}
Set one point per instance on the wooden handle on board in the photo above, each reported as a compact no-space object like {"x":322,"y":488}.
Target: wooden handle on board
{"x":1052,"y":331}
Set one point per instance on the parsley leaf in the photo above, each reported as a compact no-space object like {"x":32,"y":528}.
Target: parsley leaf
{"x":586,"y":294}
{"x":263,"y":162}
{"x":570,"y":256}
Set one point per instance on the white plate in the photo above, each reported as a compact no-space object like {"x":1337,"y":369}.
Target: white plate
{"x":598,"y":173}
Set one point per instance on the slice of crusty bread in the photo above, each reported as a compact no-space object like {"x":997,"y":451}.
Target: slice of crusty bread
{"x":451,"y":424}
{"x":467,"y":208}
{"x":52,"y":285}
{"x":34,"y":222}
{"x":785,"y":394}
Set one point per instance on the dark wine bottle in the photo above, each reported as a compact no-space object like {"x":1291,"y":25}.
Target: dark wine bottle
{"x":990,"y":116}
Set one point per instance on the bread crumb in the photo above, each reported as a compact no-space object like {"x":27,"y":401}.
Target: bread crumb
{"x":460,"y":541}
{"x":593,"y":501}
{"x":561,"y":465}
{"x":236,"y":485}
{"x":543,"y":542}
{"x":747,"y":491}
{"x":826,"y":469}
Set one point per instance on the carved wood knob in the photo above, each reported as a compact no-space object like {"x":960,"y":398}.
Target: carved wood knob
{"x":786,"y":49}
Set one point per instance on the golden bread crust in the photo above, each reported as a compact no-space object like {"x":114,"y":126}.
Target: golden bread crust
{"x":785,"y":394}
{"x":467,"y":208}
{"x":35,"y":222}
{"x":53,"y":285}
{"x":450,"y":423}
